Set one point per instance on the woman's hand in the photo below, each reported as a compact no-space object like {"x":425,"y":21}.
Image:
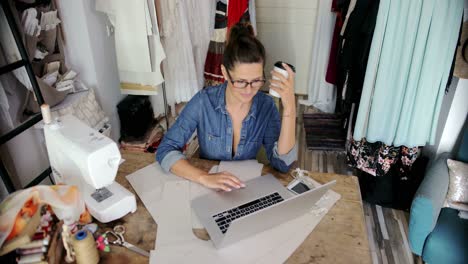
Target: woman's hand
{"x":225,"y":181}
{"x":285,"y":88}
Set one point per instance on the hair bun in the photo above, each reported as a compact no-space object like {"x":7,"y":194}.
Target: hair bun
{"x":239,"y":31}
{"x":242,"y":46}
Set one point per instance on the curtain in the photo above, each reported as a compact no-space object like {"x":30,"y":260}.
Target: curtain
{"x":321,"y":94}
{"x":409,"y":64}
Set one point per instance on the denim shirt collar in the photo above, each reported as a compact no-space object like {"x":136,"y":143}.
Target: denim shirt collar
{"x":221,"y":103}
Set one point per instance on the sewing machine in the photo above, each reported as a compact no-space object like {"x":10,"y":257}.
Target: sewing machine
{"x":81,"y":156}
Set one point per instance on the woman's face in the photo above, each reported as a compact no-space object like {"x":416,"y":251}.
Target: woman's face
{"x":244,"y":80}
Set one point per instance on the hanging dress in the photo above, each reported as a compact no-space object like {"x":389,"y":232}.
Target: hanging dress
{"x":321,"y":94}
{"x":409,"y":64}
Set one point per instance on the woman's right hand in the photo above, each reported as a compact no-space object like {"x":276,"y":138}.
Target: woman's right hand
{"x":225,"y":181}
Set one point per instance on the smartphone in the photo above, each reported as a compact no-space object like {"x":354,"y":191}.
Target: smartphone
{"x":297,"y":186}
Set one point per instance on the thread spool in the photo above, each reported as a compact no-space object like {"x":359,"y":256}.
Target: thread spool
{"x":85,"y":248}
{"x":45,"y":110}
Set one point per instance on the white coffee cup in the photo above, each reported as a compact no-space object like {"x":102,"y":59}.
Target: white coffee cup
{"x":278,"y":67}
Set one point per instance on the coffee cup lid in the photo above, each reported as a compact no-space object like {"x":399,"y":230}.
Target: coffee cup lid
{"x":279,"y":64}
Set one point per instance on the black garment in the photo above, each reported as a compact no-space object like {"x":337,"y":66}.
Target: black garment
{"x":459,"y":46}
{"x":394,"y":189}
{"x":136,"y":116}
{"x":220,"y":16}
{"x":354,"y":53}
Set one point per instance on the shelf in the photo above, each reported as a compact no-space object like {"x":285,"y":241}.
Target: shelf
{"x":21,"y":128}
{"x":12,"y":66}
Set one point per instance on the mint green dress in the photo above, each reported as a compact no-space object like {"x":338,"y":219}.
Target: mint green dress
{"x":409,"y":64}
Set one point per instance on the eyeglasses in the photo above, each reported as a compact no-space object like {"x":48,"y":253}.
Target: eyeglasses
{"x":241,"y":84}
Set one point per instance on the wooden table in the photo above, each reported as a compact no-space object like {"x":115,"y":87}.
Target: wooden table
{"x":340,"y":237}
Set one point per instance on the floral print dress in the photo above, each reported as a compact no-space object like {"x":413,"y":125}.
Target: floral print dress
{"x":377,"y":158}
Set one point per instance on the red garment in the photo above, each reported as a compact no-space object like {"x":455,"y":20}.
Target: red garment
{"x":213,"y":67}
{"x":334,"y":7}
{"x":332,"y":69}
{"x":236,"y":9}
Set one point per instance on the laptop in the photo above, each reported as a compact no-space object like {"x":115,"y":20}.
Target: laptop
{"x":229,"y":217}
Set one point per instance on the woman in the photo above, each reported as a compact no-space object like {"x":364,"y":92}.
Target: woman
{"x":233,"y":120}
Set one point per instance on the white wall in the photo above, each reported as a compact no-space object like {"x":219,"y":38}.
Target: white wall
{"x":453,"y":113}
{"x":452,"y":116}
{"x":455,"y":119}
{"x":29,"y":155}
{"x":91,"y":52}
{"x":286,"y":29}
{"x":432,"y":150}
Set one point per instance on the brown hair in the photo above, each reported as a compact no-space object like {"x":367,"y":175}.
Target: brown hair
{"x":242,"y":47}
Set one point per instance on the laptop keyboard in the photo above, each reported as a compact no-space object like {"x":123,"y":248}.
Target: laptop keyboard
{"x":225,"y":218}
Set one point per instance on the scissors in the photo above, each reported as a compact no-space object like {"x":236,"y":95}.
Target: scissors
{"x":118,"y":232}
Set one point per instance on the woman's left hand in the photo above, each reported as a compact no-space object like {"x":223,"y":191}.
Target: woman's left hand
{"x":285,"y":88}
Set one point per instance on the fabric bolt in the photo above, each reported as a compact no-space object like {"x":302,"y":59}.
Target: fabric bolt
{"x":207,"y":115}
{"x":408,"y":67}
{"x":321,"y":94}
{"x":377,"y":158}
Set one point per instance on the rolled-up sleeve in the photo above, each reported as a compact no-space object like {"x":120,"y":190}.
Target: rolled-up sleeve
{"x":170,"y":149}
{"x":287,"y":158}
{"x":270,"y":142}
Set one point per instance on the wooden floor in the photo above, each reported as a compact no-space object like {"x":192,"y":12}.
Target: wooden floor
{"x":387,"y":228}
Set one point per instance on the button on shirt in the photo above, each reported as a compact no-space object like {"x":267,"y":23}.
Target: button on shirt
{"x":206,"y":113}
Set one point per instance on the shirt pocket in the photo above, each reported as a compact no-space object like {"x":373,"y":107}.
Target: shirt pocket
{"x":213,"y":146}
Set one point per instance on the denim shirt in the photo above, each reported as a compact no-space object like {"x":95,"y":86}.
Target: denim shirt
{"x":206,"y":112}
